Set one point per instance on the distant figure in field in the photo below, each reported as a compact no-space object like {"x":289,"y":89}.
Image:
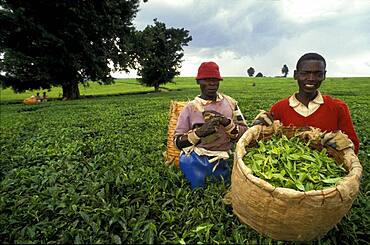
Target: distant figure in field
{"x":206,"y":129}
{"x":44,"y":97}
{"x":308,"y":107}
{"x":285,"y":70}
{"x":38,"y":97}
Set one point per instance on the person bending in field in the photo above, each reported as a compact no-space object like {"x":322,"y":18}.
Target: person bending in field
{"x":206,"y":129}
{"x":38,"y":97}
{"x":308,"y":107}
{"x":44,"y":97}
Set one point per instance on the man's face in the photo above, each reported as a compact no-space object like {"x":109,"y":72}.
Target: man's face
{"x":309,"y":75}
{"x":209,"y":87}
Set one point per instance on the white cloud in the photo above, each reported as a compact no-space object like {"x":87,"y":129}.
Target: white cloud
{"x":306,"y":11}
{"x":267,"y":34}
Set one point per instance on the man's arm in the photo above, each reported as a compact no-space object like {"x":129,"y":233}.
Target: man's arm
{"x":346,"y":125}
{"x":264,"y":118}
{"x":193,"y":137}
{"x":182,"y":141}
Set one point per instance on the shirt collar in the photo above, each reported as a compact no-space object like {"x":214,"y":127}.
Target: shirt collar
{"x":206,"y":102}
{"x":293,"y":102}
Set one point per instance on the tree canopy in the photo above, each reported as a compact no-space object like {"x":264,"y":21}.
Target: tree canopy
{"x":159,"y":52}
{"x":64,"y":43}
{"x":250,"y":71}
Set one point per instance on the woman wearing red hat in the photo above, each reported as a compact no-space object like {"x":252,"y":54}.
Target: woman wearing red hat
{"x":206,"y":130}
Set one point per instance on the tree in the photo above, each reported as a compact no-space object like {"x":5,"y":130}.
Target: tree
{"x":64,"y":43}
{"x":158,"y":53}
{"x":259,"y":74}
{"x":250,"y":71}
{"x":285,"y":70}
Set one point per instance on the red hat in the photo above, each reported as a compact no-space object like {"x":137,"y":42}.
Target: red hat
{"x":208,"y":70}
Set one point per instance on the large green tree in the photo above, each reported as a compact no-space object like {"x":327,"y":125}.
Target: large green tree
{"x":63,"y":43}
{"x":159,"y":53}
{"x":250,"y":71}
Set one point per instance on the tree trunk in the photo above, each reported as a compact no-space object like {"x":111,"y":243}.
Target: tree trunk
{"x":70,"y":91}
{"x":156,"y":88}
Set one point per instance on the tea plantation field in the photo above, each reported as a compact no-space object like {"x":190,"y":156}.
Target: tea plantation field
{"x":92,"y":170}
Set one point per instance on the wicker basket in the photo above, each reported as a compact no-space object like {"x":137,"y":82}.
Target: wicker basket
{"x":172,"y":154}
{"x":30,"y":101}
{"x":283,"y":213}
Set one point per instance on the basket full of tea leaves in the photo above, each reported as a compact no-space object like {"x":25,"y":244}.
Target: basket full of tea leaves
{"x":288,"y":188}
{"x":291,"y":163}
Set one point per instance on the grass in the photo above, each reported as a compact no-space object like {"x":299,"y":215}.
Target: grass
{"x":92,"y":170}
{"x":121,"y":86}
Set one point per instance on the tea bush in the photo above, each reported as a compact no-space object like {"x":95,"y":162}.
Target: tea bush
{"x":92,"y":170}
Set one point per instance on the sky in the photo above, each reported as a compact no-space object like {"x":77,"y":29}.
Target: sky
{"x":266,"y":34}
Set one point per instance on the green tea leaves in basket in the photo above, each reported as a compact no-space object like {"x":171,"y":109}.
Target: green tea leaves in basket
{"x":291,"y":163}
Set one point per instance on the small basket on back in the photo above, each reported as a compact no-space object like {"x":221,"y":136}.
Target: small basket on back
{"x":30,"y":101}
{"x":284,"y":213}
{"x":172,"y":154}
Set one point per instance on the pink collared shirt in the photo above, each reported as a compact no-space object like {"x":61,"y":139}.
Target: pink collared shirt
{"x":191,"y":116}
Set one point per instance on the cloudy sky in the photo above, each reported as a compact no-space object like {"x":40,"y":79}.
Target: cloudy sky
{"x":266,"y":34}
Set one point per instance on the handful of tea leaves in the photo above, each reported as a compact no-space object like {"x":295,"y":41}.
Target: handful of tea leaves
{"x":291,"y":163}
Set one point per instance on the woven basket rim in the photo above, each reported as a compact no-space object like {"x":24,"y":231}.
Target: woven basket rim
{"x":354,"y":172}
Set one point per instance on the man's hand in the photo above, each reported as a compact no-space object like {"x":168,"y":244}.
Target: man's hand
{"x":264,"y":118}
{"x":208,"y":115}
{"x":337,"y":140}
{"x":208,"y":128}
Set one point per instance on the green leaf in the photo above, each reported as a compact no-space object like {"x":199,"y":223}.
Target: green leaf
{"x":299,"y":185}
{"x":331,"y":181}
{"x":308,"y":158}
{"x":116,"y":239}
